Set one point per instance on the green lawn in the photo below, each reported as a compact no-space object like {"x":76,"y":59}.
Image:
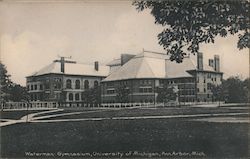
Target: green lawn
{"x":16,"y":114}
{"x":216,"y":140}
{"x":148,"y":112}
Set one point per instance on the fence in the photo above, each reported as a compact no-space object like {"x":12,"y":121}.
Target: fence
{"x":113,"y":105}
{"x":51,"y":105}
{"x":31,"y":105}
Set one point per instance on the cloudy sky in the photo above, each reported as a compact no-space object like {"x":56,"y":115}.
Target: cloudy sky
{"x":34,"y":33}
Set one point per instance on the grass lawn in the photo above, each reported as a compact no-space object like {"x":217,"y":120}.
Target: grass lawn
{"x":16,"y":114}
{"x":216,"y":140}
{"x":147,"y":112}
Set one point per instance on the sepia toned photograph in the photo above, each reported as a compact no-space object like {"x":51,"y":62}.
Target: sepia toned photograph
{"x":124,"y":79}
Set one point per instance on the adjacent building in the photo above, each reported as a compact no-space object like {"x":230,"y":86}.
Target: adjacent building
{"x":141,"y":75}
{"x":64,"y":80}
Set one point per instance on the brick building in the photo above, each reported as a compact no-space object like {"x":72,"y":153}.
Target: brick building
{"x":64,"y":80}
{"x":142,"y":74}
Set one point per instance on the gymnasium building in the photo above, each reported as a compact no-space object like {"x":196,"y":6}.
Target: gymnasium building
{"x":143,"y":73}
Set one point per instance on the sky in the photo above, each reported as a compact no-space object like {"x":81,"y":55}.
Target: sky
{"x":34,"y":33}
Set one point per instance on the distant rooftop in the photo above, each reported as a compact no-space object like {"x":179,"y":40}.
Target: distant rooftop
{"x":73,"y":69}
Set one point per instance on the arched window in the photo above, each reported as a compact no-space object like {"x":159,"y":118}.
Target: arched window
{"x":86,"y":84}
{"x":68,"y":84}
{"x":77,"y":96}
{"x":95,"y":84}
{"x":71,"y":97}
{"x":77,"y":84}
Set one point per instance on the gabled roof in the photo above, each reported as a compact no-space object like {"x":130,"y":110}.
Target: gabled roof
{"x":73,"y":69}
{"x":154,"y":65}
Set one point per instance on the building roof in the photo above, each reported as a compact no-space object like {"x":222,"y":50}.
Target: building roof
{"x":73,"y":69}
{"x":115,"y":62}
{"x":154,"y":65}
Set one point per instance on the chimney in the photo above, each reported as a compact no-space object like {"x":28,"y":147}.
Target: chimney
{"x":125,"y":58}
{"x":62,"y":65}
{"x":217,"y":63}
{"x":211,"y":62}
{"x":199,"y":61}
{"x":96,"y":65}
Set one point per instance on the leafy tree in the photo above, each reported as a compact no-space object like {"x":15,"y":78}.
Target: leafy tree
{"x":122,"y":94}
{"x":192,"y":22}
{"x":219,"y":92}
{"x":246,"y":87}
{"x":92,"y":95}
{"x":234,"y":90}
{"x":166,"y":94}
{"x":9,"y":90}
{"x":18,"y":93}
{"x":5,"y":83}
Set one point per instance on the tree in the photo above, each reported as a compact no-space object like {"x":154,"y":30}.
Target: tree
{"x":219,"y":92}
{"x":122,"y":94}
{"x":5,"y":84}
{"x":9,"y":90}
{"x":166,"y":94}
{"x":234,"y":90}
{"x":246,"y":87}
{"x":18,"y":93}
{"x":190,"y":23}
{"x":92,"y":95}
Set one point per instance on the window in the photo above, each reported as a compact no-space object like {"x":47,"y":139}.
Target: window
{"x":70,"y":96}
{"x":47,"y":84}
{"x":197,"y":79}
{"x":77,"y":84}
{"x":57,"y":83}
{"x":110,"y":84}
{"x":145,"y":90}
{"x":77,"y":96}
{"x":204,"y":80}
{"x":95,"y":84}
{"x":31,"y":87}
{"x":35,"y":87}
{"x":110,"y":91}
{"x":86,"y":84}
{"x":209,"y":75}
{"x":68,"y":84}
{"x":215,"y":79}
{"x":41,"y":87}
{"x":198,"y":90}
{"x":204,"y":89}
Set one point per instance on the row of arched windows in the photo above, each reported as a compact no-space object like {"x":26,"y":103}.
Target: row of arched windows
{"x":77,"y":84}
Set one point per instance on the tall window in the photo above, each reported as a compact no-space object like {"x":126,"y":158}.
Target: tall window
{"x":71,"y":97}
{"x":68,"y":84}
{"x":77,"y":84}
{"x":86,"y":84}
{"x":77,"y":96}
{"x":41,"y":87}
{"x":47,"y":84}
{"x":57,"y":83}
{"x":95,"y":84}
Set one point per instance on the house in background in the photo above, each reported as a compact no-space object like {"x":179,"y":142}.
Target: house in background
{"x":142,"y":74}
{"x":64,"y":80}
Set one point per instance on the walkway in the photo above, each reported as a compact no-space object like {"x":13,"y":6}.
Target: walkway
{"x":142,"y":117}
{"x":25,"y":118}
